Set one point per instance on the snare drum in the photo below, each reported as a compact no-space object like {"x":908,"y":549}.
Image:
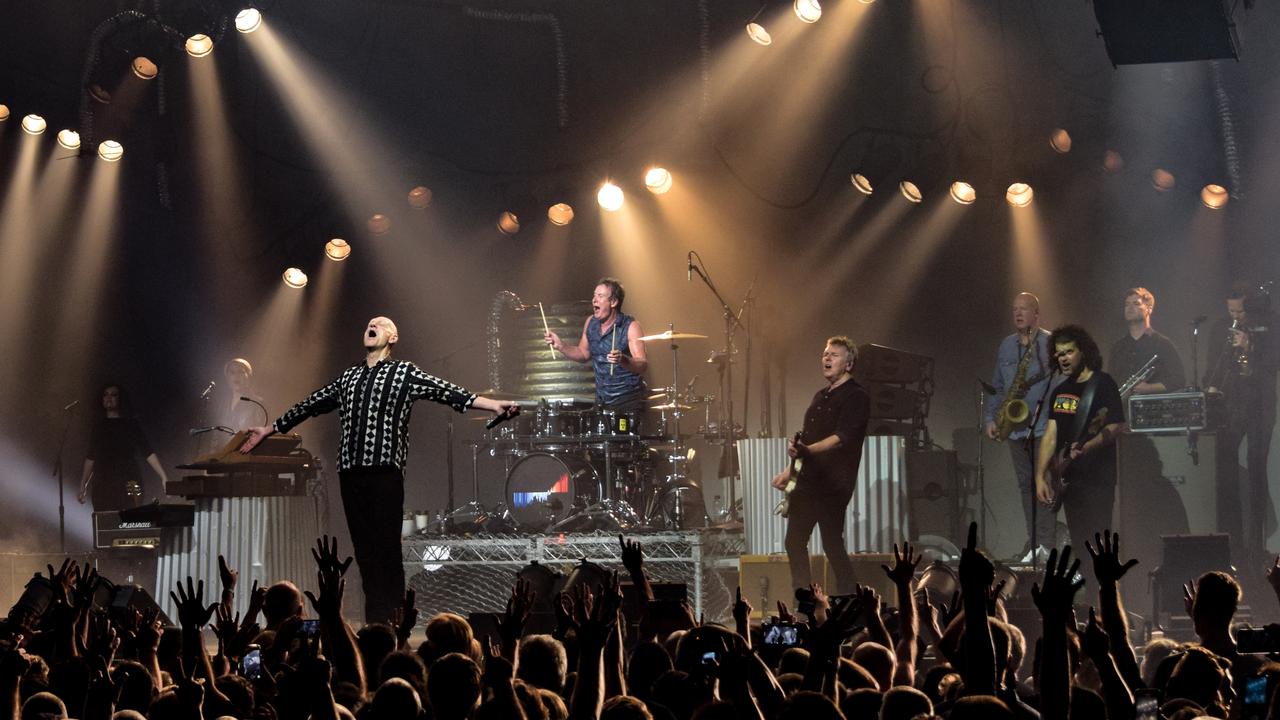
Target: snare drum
{"x":558,"y":420}
{"x":612,"y":422}
{"x":543,"y":488}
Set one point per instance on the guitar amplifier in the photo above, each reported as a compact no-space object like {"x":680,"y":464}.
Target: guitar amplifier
{"x":139,"y":527}
{"x":1165,"y":412}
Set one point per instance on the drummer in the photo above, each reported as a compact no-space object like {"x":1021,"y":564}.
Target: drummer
{"x":611,"y":343}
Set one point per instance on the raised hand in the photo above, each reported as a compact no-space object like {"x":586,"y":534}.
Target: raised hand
{"x":1095,"y":642}
{"x":333,"y":586}
{"x":632,"y":555}
{"x":519,"y":606}
{"x":904,"y":565}
{"x":1105,"y":551}
{"x":225,"y":627}
{"x":326,"y":557}
{"x":741,"y":609}
{"x":63,"y":581}
{"x":405,"y":618}
{"x":193,"y":614}
{"x":227,"y":575}
{"x":84,"y":584}
{"x":257,"y":598}
{"x":1189,"y":590}
{"x":842,"y":623}
{"x":1054,"y":598}
{"x":976,"y":571}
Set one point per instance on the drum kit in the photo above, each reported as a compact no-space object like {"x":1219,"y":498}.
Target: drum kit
{"x":574,"y":466}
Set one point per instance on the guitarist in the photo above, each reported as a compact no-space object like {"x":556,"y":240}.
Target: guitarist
{"x":1076,"y":467}
{"x":830,"y":448}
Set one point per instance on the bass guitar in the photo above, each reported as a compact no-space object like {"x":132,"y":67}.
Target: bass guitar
{"x":1062,"y":459}
{"x":784,"y":505}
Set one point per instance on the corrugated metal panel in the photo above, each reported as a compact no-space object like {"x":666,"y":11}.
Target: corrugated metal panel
{"x":877,"y":516}
{"x":264,"y":539}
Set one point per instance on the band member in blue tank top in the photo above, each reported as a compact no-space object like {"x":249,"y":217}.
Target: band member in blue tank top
{"x":611,"y":343}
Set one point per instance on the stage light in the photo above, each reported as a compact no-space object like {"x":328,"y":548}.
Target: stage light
{"x":1214,"y":196}
{"x":144,"y":68}
{"x":99,"y":94}
{"x":910,"y":191}
{"x":807,"y":10}
{"x":1112,"y":162}
{"x":337,"y":249}
{"x":199,"y":45}
{"x":379,"y":224}
{"x":110,"y":150}
{"x":294,"y":278}
{"x":560,"y":214}
{"x":610,"y":197}
{"x":658,"y":180}
{"x":33,"y":124}
{"x":1019,"y":194}
{"x":420,"y":197}
{"x":1162,"y":180}
{"x":4,"y":112}
{"x":1060,"y":141}
{"x":756,"y":32}
{"x":963,"y":193}
{"x":248,"y":20}
{"x":508,"y":223}
{"x":862,"y":183}
{"x":69,"y":139}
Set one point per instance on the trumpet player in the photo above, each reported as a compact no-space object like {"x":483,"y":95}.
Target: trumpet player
{"x":1245,"y":372}
{"x":1132,"y":351}
{"x":1021,"y":380}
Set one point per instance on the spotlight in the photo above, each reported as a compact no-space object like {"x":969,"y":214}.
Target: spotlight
{"x":4,"y":112}
{"x":508,"y":223}
{"x":144,"y":68}
{"x":248,"y":20}
{"x":861,"y":182}
{"x":294,"y":278}
{"x":658,"y":180}
{"x":1060,"y":141}
{"x":1162,"y":180}
{"x":199,"y":45}
{"x":33,"y":124}
{"x":110,"y":150}
{"x":910,"y":191}
{"x":420,"y":197}
{"x":560,"y":214}
{"x":963,"y":193}
{"x":610,"y":197}
{"x":379,"y":224}
{"x":807,"y":10}
{"x":1019,"y":194}
{"x":756,"y":32}
{"x":99,"y":94}
{"x":337,"y":249}
{"x":1214,"y":196}
{"x":69,"y":139}
{"x":1112,"y":162}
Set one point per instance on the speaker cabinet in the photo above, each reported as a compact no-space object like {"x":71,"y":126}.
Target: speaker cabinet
{"x":934,"y":494}
{"x":1161,"y":489}
{"x":766,"y":579}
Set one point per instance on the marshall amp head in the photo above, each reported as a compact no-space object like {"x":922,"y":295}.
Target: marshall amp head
{"x":139,"y":527}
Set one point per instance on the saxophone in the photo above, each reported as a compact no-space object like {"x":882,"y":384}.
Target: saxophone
{"x":1013,"y":412}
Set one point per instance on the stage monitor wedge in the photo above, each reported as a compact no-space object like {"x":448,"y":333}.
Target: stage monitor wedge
{"x":1158,"y":31}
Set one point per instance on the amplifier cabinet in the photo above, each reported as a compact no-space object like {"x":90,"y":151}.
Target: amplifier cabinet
{"x":1174,"y":412}
{"x":1161,"y":489}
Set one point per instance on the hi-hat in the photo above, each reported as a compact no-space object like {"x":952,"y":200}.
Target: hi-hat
{"x":671,"y":406}
{"x":672,"y":335}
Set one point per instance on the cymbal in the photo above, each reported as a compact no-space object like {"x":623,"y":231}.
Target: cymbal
{"x":671,"y":406}
{"x":670,"y":335}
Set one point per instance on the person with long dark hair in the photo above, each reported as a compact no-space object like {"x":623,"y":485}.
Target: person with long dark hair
{"x":112,"y":475}
{"x":1076,"y":467}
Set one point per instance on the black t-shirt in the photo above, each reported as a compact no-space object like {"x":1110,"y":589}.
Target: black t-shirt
{"x":844,"y":412}
{"x":116,"y":447}
{"x":1099,"y":464}
{"x":1129,"y":355}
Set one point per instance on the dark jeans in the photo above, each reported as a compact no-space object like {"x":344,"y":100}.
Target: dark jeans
{"x":1244,"y":501}
{"x":1087,"y":504}
{"x":374,"y":501}
{"x":1046,"y":520}
{"x":827,"y":512}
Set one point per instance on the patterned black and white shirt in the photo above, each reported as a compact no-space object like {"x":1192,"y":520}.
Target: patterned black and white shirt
{"x":373,"y":405}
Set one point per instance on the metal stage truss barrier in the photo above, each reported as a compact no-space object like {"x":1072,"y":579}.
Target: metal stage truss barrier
{"x":460,"y":574}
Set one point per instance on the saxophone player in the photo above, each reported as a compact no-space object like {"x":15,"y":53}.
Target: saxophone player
{"x":1021,"y":379}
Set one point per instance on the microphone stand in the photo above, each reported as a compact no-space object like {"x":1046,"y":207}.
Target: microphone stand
{"x":983,"y":390}
{"x":57,"y":472}
{"x":266,"y":417}
{"x":1028,"y":444}
{"x":731,"y":323}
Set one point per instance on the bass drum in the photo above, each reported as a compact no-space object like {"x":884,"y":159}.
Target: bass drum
{"x":543,"y":488}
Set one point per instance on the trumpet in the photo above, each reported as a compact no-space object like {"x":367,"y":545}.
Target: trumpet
{"x":1242,"y":356}
{"x":1143,"y":374}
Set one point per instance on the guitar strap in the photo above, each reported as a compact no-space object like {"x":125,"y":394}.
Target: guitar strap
{"x":1081,"y":420}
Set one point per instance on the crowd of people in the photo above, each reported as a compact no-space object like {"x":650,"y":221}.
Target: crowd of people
{"x":293,"y":655}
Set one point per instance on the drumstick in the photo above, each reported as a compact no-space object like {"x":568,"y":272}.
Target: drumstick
{"x":546,"y":329}
{"x":613,"y":344}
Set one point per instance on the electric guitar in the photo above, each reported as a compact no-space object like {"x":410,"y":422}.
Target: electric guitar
{"x":784,"y":505}
{"x":1062,"y":459}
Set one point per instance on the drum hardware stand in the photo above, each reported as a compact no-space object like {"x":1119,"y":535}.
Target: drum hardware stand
{"x":732,"y":322}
